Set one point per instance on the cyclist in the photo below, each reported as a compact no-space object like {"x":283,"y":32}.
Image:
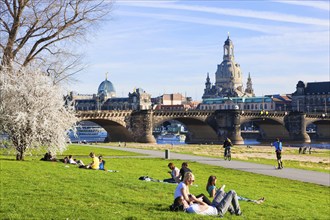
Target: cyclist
{"x":227,"y":145}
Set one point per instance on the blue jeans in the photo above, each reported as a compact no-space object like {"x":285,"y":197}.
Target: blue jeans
{"x":226,"y":201}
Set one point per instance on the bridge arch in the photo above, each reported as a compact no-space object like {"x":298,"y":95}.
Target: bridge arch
{"x":114,"y":122}
{"x":116,"y":132}
{"x":323,"y":128}
{"x":269,"y":128}
{"x":199,"y":130}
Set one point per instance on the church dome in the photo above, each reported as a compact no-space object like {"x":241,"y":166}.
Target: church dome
{"x":106,"y":88}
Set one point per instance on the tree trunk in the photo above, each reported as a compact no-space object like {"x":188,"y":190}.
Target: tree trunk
{"x":20,"y":153}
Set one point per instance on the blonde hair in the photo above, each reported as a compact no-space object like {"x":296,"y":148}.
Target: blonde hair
{"x":188,"y":176}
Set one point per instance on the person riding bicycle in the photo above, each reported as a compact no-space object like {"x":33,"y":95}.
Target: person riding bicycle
{"x":227,"y":145}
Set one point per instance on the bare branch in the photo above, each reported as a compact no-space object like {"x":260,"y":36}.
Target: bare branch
{"x":32,"y":28}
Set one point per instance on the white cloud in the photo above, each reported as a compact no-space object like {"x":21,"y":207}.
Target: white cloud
{"x":323,"y":5}
{"x":214,"y":22}
{"x":265,"y":15}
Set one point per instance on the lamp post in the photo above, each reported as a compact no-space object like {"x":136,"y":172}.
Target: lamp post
{"x":325,"y":105}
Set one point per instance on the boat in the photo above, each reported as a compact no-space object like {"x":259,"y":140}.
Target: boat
{"x":85,"y":134}
{"x":171,"y":138}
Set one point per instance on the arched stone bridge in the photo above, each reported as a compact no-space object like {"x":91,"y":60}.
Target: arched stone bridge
{"x":207,"y":126}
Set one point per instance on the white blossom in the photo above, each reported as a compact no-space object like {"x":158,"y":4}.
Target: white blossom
{"x":32,"y":111}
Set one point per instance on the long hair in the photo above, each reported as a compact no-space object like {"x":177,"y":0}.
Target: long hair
{"x":210,"y":182}
{"x":188,"y":176}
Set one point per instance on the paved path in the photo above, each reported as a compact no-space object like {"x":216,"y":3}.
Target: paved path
{"x":289,"y":173}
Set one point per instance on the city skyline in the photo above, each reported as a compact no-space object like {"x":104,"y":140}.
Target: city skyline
{"x":170,"y":46}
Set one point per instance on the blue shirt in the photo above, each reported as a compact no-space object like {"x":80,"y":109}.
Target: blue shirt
{"x":210,"y":189}
{"x":278,"y":145}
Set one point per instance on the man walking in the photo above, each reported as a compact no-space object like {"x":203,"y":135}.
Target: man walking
{"x":278,"y":149}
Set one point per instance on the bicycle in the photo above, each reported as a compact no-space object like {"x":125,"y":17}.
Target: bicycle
{"x":227,"y":154}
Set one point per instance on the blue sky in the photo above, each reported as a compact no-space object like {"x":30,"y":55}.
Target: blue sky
{"x":170,"y":46}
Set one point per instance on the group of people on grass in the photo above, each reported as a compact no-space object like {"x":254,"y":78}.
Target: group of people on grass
{"x":200,"y":204}
{"x":97,"y":162}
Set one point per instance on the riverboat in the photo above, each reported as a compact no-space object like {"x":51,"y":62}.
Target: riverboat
{"x":84,"y":134}
{"x":171,"y":138}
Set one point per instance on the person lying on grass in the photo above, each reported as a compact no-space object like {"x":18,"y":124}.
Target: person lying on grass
{"x":227,"y":203}
{"x":211,"y":189}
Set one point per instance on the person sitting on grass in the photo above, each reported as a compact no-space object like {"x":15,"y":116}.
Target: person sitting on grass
{"x":95,"y":163}
{"x":48,"y":157}
{"x":71,"y":160}
{"x":227,"y":203}
{"x":183,"y":189}
{"x":102,"y":163}
{"x":211,"y":189}
{"x":175,"y":174}
{"x":184,"y":169}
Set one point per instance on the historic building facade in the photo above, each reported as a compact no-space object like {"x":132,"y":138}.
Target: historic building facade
{"x":260,"y":103}
{"x":106,"y":99}
{"x":174,"y":101}
{"x":311,"y":97}
{"x":228,"y":77}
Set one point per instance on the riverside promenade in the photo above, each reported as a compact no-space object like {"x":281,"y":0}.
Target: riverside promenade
{"x":288,"y":173}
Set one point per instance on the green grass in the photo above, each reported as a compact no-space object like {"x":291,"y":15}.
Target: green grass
{"x":84,"y":150}
{"x":34,"y":189}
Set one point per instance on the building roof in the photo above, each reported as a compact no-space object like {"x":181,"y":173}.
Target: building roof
{"x":318,"y":88}
{"x":106,"y":87}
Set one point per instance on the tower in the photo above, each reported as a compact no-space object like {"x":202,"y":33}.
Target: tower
{"x":207,"y":83}
{"x":249,"y":88}
{"x":228,"y":77}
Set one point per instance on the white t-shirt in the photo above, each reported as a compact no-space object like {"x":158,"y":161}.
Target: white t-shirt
{"x":71,"y":161}
{"x":194,"y":208}
{"x":175,"y":173}
{"x":178,"y":191}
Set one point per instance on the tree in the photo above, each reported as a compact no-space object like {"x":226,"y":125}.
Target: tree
{"x":40,"y":32}
{"x":32,"y":111}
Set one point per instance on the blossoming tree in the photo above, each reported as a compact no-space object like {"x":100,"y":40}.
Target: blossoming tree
{"x":32,"y":111}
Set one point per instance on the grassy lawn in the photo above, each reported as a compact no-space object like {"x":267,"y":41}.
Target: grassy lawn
{"x":317,"y":161}
{"x":84,"y":150}
{"x":34,"y":189}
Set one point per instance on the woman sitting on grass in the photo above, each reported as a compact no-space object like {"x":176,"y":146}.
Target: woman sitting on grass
{"x":211,"y":189}
{"x":183,"y":189}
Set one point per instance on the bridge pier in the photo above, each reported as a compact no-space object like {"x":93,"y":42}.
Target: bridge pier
{"x":141,"y":126}
{"x":296,"y":124}
{"x":229,"y":125}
